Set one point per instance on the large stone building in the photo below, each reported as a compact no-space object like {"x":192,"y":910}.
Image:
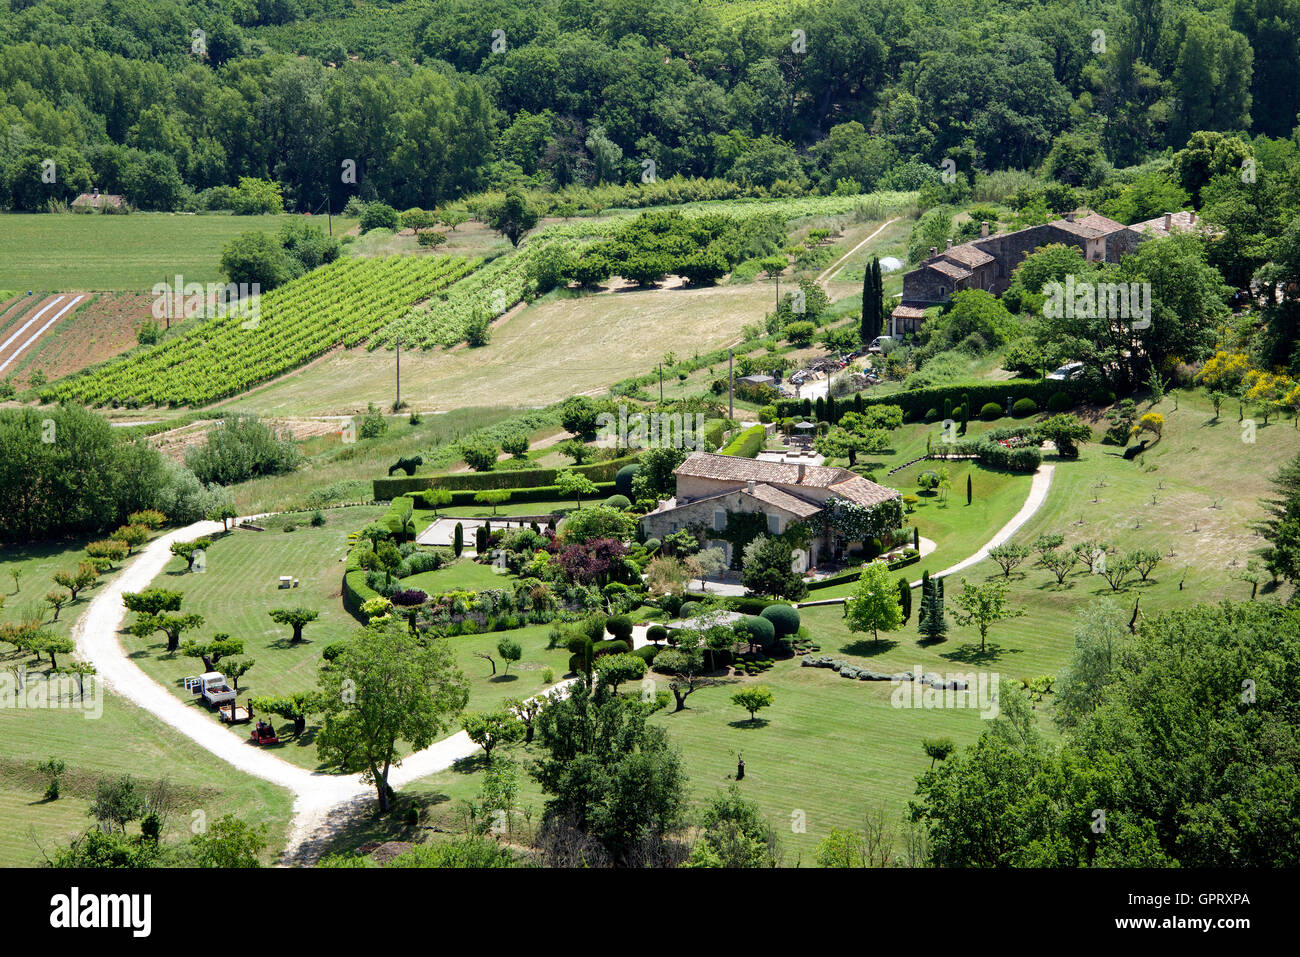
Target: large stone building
{"x":709,"y":486}
{"x":988,"y":262}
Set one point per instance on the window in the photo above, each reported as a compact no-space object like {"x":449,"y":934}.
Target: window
{"x":774,"y":524}
{"x":719,"y":520}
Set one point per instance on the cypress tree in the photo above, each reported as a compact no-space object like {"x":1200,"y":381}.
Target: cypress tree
{"x":932,"y":623}
{"x":458,"y":540}
{"x":968,"y":489}
{"x":831,"y":417}
{"x":905,"y":598}
{"x":916,"y":538}
{"x":878,"y":324}
{"x":925,"y":593}
{"x":857,"y":402}
{"x":865,"y":324}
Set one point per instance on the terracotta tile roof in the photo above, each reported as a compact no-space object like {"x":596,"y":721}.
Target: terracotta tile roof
{"x":863,"y":491}
{"x":908,"y":312}
{"x":783,"y":500}
{"x":734,"y":468}
{"x":967,"y":255}
{"x":951,"y":270}
{"x":1098,"y":221}
{"x":1180,"y":223}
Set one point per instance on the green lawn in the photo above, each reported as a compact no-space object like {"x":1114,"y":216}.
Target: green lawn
{"x":62,"y":252}
{"x":464,"y":574}
{"x":36,"y":565}
{"x":235,"y":594}
{"x":239,"y":589}
{"x":122,"y":740}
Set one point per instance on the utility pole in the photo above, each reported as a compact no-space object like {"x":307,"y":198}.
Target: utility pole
{"x":329,"y":213}
{"x":661,"y":383}
{"x":731,"y":384}
{"x":398,"y":404}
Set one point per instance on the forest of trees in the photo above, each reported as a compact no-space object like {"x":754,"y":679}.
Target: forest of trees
{"x":420,"y":103}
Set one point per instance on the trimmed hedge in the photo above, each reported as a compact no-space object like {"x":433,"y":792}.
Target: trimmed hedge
{"x":598,"y":472}
{"x":546,"y":493}
{"x":916,"y":403}
{"x":355,"y":590}
{"x":748,"y":443}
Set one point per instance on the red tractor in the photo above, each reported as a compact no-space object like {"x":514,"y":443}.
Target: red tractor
{"x":264,"y":733}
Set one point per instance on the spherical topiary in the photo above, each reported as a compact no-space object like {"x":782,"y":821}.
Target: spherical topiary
{"x":689,"y":609}
{"x":931,"y":415}
{"x":620,"y":626}
{"x":784,"y":618}
{"x":1101,"y":396}
{"x":1059,"y":402}
{"x":623,"y":480}
{"x":759,"y":631}
{"x":1023,"y":408}
{"x":600,"y":648}
{"x":620,"y":502}
{"x":656,"y":633}
{"x":652,"y":545}
{"x":991,"y":411}
{"x":647,"y":653}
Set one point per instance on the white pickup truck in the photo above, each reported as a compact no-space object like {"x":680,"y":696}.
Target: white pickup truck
{"x":211,"y":687}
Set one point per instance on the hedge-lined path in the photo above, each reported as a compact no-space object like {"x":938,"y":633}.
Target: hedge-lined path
{"x":1038,"y":487}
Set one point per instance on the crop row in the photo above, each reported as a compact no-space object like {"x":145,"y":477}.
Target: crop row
{"x":344,"y":303}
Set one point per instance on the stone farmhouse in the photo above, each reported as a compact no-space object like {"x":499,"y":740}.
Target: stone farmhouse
{"x":709,"y":486}
{"x":988,"y":262}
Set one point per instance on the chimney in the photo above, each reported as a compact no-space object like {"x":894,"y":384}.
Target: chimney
{"x":750,"y":487}
{"x":950,"y":244}
{"x":1169,"y":222}
{"x":799,"y":480}
{"x":96,"y":193}
{"x":934,"y":251}
{"x":1069,"y":217}
{"x":984,"y":229}
{"x":1191,"y":218}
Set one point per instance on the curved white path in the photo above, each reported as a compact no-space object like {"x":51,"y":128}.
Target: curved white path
{"x":316,"y":794}
{"x":1038,"y":487}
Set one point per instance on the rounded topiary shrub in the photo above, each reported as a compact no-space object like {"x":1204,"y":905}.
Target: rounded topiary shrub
{"x":873,"y":547}
{"x":599,"y":648}
{"x":756,"y":629}
{"x":620,"y":502}
{"x":1102,"y":396}
{"x":620,"y":626}
{"x":1024,"y":408}
{"x":931,"y":415}
{"x":656,"y":633}
{"x":1059,"y":402}
{"x":689,"y":609}
{"x":991,"y":411}
{"x":784,"y":618}
{"x":652,"y":545}
{"x":623,"y":480}
{"x":647,"y":653}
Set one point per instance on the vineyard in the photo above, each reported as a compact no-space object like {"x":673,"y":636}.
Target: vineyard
{"x":341,"y":304}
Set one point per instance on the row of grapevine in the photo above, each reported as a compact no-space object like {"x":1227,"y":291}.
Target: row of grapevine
{"x":344,"y":303}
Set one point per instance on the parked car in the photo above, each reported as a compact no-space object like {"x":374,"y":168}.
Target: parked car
{"x":1071,"y":370}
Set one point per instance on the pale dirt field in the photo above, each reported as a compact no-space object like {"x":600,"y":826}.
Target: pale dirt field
{"x":538,"y":355}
